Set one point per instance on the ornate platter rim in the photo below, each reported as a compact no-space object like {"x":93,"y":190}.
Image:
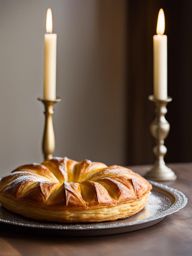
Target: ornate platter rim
{"x":177,"y":198}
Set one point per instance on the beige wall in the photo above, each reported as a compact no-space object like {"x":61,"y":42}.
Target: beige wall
{"x":90,"y":120}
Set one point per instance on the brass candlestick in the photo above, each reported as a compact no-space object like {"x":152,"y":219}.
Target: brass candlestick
{"x":48,"y":143}
{"x":159,"y":130}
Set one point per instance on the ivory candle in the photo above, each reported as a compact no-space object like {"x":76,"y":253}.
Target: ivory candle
{"x":160,"y":59}
{"x":50,"y":49}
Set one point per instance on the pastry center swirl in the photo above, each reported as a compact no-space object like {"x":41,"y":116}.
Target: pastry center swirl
{"x":68,"y":182}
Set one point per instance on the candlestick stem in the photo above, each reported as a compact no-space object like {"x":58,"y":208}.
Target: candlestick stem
{"x":159,"y":130}
{"x":48,"y":143}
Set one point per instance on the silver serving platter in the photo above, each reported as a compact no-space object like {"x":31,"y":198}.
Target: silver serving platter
{"x":162,"y":202}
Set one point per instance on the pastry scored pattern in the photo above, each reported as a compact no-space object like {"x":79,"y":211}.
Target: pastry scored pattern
{"x":85,"y":187}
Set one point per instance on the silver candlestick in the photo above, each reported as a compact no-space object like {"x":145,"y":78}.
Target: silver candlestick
{"x":159,"y":130}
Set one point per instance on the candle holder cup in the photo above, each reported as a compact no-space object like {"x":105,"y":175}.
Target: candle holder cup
{"x":159,"y":130}
{"x":48,"y":143}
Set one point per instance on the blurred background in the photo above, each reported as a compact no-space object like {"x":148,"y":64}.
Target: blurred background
{"x":104,"y":77}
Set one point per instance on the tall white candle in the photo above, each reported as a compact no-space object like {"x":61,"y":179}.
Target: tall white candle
{"x":50,"y":50}
{"x":160,"y":59}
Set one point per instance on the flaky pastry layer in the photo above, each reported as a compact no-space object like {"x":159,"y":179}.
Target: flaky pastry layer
{"x":64,"y":190}
{"x":28,"y":209}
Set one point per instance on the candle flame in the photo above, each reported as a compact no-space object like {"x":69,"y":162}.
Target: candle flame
{"x":161,"y":22}
{"x":49,"y":21}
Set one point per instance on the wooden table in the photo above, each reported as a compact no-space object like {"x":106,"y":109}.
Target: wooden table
{"x":173,"y":236}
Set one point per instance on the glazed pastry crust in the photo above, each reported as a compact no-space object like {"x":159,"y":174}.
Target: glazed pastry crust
{"x":64,"y":190}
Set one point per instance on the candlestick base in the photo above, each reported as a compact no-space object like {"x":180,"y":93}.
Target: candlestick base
{"x":48,"y":143}
{"x":161,"y":173}
{"x":159,"y":130}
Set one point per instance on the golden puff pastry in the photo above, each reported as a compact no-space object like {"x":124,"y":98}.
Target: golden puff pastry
{"x":64,"y":190}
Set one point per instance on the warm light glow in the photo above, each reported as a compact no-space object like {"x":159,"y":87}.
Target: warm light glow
{"x":49,"y":21}
{"x":161,"y":22}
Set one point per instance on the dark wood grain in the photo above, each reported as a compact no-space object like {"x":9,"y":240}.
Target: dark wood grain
{"x":171,"y":237}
